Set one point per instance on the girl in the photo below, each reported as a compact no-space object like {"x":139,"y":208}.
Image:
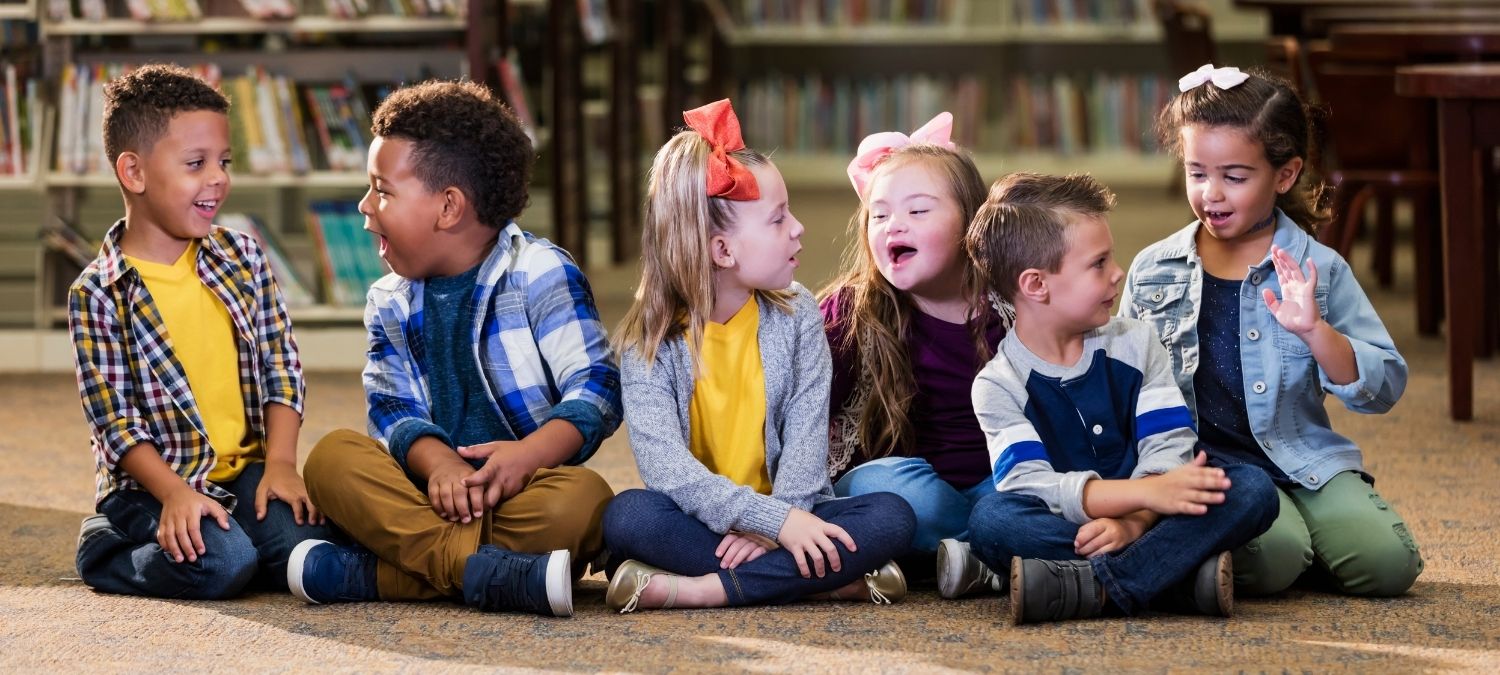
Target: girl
{"x":1256,"y":339}
{"x":725,"y":378}
{"x":907,"y":341}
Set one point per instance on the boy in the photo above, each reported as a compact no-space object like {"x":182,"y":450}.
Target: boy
{"x":1100,"y":499}
{"x":185,"y":359}
{"x":488,"y":368}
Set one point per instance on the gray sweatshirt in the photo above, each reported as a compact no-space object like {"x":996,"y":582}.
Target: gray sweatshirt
{"x":794,"y":354}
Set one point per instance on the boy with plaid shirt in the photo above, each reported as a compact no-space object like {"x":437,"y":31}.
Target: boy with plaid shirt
{"x":186,"y":364}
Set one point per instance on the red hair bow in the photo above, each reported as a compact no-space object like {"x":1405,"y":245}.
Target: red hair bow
{"x":727,"y":177}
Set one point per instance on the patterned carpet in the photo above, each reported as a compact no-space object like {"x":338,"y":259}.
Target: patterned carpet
{"x":1440,"y":475}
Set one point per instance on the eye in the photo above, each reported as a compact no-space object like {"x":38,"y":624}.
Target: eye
{"x":879,"y":216}
{"x":1195,"y":175}
{"x":1236,"y":179}
{"x":918,"y":212}
{"x":195,"y":164}
{"x":224,"y":163}
{"x":1099,"y":264}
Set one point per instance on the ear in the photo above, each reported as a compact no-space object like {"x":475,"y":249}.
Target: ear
{"x":1286,"y":176}
{"x":453,"y":207}
{"x":1033,"y":285}
{"x":720,"y":253}
{"x":130,"y":170}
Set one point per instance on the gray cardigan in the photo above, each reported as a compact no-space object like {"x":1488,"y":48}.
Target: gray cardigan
{"x":794,"y":354}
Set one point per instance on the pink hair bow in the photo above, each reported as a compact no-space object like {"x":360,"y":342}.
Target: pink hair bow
{"x":1227,"y":77}
{"x":720,"y":127}
{"x":876,"y":147}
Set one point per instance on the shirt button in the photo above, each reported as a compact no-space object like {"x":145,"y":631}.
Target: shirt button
{"x":1253,"y":334}
{"x":1259,"y":387}
{"x":1098,"y":429}
{"x":1312,"y":479}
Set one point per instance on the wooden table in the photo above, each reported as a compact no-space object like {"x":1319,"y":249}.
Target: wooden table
{"x":1468,"y":96}
{"x":1288,"y":17}
{"x":1414,"y":42}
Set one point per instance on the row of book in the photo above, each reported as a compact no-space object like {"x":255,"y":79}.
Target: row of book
{"x":192,"y":10}
{"x":20,"y":122}
{"x":812,"y":113}
{"x":276,"y":125}
{"x":1065,"y":12}
{"x":940,"y":12}
{"x":348,"y":259}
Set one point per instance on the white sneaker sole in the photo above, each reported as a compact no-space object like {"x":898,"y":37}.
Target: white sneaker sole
{"x":560,"y":582}
{"x":294,"y":564}
{"x":950,"y":567}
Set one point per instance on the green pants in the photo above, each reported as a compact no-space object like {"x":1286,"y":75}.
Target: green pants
{"x":1346,"y":528}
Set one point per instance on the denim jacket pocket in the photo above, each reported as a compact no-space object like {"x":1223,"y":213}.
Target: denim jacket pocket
{"x":1160,"y":304}
{"x":1288,"y":342}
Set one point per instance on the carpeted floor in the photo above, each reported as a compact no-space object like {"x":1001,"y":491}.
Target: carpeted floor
{"x":1442,"y":477}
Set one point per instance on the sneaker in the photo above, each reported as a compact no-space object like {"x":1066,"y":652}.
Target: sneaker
{"x":94,"y":526}
{"x":887,"y":584}
{"x":321,"y":572}
{"x":1053,"y":590}
{"x":1213,"y":586}
{"x":499,"y":580}
{"x":960,"y":573}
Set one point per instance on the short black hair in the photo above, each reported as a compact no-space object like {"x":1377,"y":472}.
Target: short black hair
{"x":462,"y":136}
{"x":139,"y":105}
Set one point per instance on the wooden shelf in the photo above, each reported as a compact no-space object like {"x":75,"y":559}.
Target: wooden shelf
{"x":220,"y":25}
{"x":23,"y":11}
{"x":1117,"y":168}
{"x":314,"y":179}
{"x":19,"y":182}
{"x":958,"y":34}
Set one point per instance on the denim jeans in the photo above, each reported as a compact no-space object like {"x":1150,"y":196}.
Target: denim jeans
{"x":125,"y":557}
{"x":649,"y":527}
{"x":1007,"y":524}
{"x":942,"y":510}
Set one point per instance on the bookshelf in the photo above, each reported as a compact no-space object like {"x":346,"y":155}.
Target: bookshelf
{"x":1040,"y":85}
{"x":279,"y":72}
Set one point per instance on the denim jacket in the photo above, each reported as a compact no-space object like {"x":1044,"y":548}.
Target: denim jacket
{"x":1284,"y":387}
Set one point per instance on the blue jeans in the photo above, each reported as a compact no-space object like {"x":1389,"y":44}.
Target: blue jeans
{"x":125,"y":558}
{"x":1007,"y":524}
{"x":649,"y":527}
{"x":942,"y":510}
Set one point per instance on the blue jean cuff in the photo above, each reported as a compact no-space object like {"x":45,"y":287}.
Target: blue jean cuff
{"x":732,"y":589}
{"x":1112,"y":590}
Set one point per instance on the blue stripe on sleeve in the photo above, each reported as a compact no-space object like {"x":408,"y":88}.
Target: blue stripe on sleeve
{"x":1166,"y":419}
{"x":1016,"y":453}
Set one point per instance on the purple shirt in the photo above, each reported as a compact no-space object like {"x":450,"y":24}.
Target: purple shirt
{"x":942,"y":413}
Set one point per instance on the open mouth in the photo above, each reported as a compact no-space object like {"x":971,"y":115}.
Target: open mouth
{"x":1218,"y":217}
{"x":901,"y":254}
{"x":206,"y":207}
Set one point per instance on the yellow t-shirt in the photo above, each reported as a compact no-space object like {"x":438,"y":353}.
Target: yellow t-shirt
{"x":728,"y":411}
{"x":203,"y":340}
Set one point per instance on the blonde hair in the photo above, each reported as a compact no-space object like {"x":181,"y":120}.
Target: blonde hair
{"x":678,"y":282}
{"x":878,"y":315}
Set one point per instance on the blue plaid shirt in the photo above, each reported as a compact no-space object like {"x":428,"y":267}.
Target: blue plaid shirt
{"x":536,"y":335}
{"x":132,"y":386}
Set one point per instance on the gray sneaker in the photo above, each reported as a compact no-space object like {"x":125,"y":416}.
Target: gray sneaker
{"x":1053,"y":590}
{"x":959,"y":573}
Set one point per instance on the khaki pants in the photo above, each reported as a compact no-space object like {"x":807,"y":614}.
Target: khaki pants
{"x":361,"y":488}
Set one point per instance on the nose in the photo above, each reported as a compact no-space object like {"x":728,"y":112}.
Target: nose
{"x":1214,"y":190}
{"x":364,"y":203}
{"x":1116,"y":275}
{"x":797,"y":228}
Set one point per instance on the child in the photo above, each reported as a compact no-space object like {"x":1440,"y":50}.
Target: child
{"x":1227,"y":292}
{"x":725,"y":372}
{"x":488,"y":369}
{"x":1100,"y":500}
{"x":187,"y":366}
{"x":907,"y":343}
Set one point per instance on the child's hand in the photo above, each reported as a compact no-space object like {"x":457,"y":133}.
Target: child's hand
{"x":282,"y":482}
{"x":807,"y":536}
{"x":1187,"y":489}
{"x":451,"y":498}
{"x":1297,"y":310}
{"x":181,"y":514}
{"x":740,"y":547}
{"x":504,"y":474}
{"x":1106,"y":535}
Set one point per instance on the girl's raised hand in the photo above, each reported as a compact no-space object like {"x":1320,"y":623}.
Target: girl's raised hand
{"x":808,"y":537}
{"x":1297,"y":310}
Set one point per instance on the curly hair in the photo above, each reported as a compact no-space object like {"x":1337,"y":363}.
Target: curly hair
{"x":464,"y":137}
{"x":139,"y":106}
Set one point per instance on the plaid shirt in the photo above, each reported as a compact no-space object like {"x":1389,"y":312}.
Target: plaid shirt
{"x":134,"y":389}
{"x":537,"y":337}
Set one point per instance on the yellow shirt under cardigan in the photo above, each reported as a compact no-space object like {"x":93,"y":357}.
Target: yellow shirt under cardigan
{"x":728,"y":411}
{"x":203,"y":341}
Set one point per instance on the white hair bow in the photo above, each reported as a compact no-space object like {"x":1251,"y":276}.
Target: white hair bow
{"x":1227,"y":77}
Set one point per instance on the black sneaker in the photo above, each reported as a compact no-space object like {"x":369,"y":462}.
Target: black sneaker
{"x":499,"y":580}
{"x":1053,"y":590}
{"x":321,"y":572}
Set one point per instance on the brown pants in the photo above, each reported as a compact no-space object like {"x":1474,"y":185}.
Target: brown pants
{"x":361,"y":488}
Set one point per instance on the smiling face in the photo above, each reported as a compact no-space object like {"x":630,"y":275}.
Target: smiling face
{"x":765,"y":238}
{"x":1231,"y":185}
{"x":1082,"y":291}
{"x":185,"y":175}
{"x":402,"y":212}
{"x":914,"y":231}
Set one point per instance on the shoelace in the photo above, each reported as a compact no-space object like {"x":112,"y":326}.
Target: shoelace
{"x":642,"y":580}
{"x":356,"y":577}
{"x":875,"y":595}
{"x":509,"y":587}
